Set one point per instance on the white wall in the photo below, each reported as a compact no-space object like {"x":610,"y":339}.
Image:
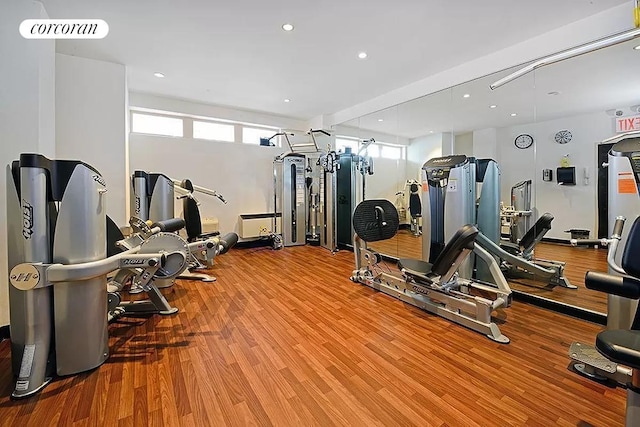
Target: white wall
{"x":422,"y":149}
{"x":464,"y":144}
{"x":27,"y":123}
{"x":91,"y":122}
{"x":160,"y":103}
{"x":572,"y":206}
{"x":388,"y":178}
{"x":242,"y":173}
{"x":485,"y":144}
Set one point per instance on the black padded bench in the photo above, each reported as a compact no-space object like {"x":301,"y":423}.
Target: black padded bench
{"x":531,"y":238}
{"x":446,"y":262}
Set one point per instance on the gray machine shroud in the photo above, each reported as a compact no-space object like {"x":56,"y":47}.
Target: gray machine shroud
{"x":624,"y":200}
{"x":38,"y":233}
{"x":152,"y":197}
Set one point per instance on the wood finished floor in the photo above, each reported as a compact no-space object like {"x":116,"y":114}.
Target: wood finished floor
{"x":578,"y":261}
{"x":284,"y":338}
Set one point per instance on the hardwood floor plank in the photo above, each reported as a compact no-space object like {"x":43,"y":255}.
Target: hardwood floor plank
{"x":285,"y":338}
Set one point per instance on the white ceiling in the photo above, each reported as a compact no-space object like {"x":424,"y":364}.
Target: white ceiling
{"x":600,"y":81}
{"x":236,"y":54}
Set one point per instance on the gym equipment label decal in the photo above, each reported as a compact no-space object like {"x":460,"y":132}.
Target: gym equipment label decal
{"x":626,"y":183}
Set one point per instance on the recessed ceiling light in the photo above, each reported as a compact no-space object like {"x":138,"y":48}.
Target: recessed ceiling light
{"x":637,"y":47}
{"x":513,"y":114}
{"x":381,"y":120}
{"x":287,"y":27}
{"x":466,"y":95}
{"x":553,"y":93}
{"x":430,"y":131}
{"x":362,"y":55}
{"x":160,"y":75}
{"x":287,"y":100}
{"x":492,"y":106}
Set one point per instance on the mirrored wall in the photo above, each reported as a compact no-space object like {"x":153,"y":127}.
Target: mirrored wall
{"x":538,"y":128}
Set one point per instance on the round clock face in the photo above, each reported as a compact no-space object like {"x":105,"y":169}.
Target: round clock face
{"x":523,"y":141}
{"x":563,"y":137}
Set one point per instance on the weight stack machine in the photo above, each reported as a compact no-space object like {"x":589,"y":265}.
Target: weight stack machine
{"x":152,"y":196}
{"x":290,"y":197}
{"x":448,"y":186}
{"x":56,"y":213}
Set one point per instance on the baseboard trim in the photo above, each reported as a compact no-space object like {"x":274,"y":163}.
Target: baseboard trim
{"x":563,"y":308}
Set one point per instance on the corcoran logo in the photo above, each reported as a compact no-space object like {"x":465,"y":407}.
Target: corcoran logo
{"x":27,"y":220}
{"x":441,"y":160}
{"x":64,"y":29}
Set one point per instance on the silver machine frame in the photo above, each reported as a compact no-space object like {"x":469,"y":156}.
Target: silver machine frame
{"x":518,"y":214}
{"x":307,"y":214}
{"x":59,"y":285}
{"x":36,"y":314}
{"x":623,"y":164}
{"x":290,"y":197}
{"x":449,"y":296}
{"x":448,"y":185}
{"x":328,"y":200}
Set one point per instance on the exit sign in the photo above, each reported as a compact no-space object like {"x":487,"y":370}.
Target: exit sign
{"x":628,"y":124}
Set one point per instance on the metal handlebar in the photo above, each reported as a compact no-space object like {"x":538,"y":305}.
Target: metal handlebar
{"x":612,"y":242}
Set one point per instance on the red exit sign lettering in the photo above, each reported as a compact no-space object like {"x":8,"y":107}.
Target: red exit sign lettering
{"x":628,"y":124}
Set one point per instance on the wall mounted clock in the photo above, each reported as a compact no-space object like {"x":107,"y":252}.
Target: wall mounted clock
{"x":523,"y":141}
{"x":563,"y":136}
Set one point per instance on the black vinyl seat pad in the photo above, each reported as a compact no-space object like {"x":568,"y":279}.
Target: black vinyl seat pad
{"x":416,"y":268}
{"x":463,"y":239}
{"x":539,"y":229}
{"x":620,"y":346}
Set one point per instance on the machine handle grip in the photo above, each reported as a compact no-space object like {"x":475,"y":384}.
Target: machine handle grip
{"x":618,"y":226}
{"x":626,"y":287}
{"x":380,"y":216}
{"x":169,"y":225}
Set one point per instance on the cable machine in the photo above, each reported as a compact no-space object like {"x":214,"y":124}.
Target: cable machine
{"x":295,"y":197}
{"x":351,"y":165}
